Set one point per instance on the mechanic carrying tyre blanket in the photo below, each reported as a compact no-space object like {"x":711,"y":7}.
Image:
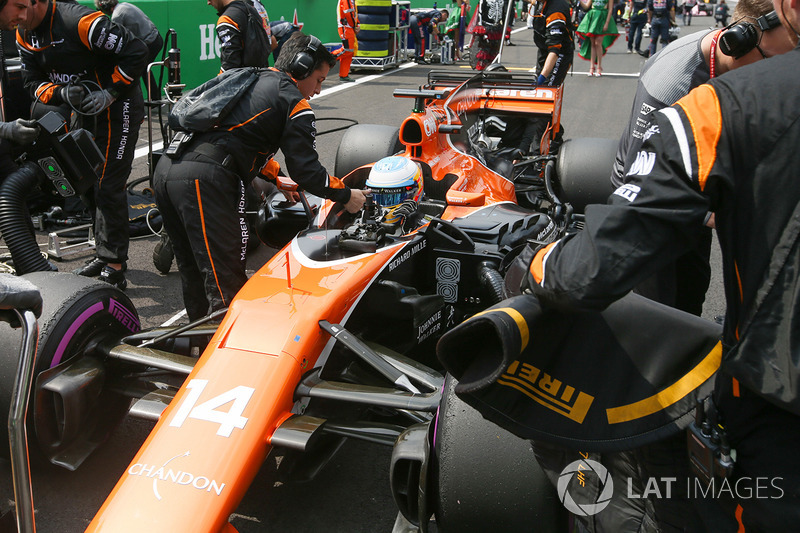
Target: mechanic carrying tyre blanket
{"x":728,"y":147}
{"x":201,"y":193}
{"x":76,"y":56}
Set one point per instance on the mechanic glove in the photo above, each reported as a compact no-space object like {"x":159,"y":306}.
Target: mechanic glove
{"x":270,"y":170}
{"x":19,"y":131}
{"x":71,"y":94}
{"x":541,"y":80}
{"x":96,"y":101}
{"x":18,"y":293}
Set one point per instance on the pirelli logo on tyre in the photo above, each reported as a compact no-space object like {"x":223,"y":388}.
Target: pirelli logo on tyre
{"x":547,"y":391}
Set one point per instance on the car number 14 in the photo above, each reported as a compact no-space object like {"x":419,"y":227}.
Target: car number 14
{"x":208,"y":410}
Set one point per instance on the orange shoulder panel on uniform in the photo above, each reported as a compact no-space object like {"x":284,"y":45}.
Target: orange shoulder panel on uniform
{"x":85,"y":26}
{"x":225,"y":19}
{"x":554,"y":17}
{"x":702,"y":110}
{"x":335,"y":183}
{"x":301,"y":106}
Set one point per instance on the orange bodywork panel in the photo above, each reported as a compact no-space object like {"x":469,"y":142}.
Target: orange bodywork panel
{"x":240,"y":390}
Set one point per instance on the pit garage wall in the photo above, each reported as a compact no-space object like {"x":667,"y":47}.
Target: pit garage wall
{"x":194,"y":22}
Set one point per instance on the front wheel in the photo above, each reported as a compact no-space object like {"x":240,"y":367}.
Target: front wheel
{"x":486,"y":478}
{"x":72,"y":409}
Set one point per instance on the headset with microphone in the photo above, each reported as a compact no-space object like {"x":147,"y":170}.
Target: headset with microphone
{"x":303,"y":63}
{"x":743,"y":36}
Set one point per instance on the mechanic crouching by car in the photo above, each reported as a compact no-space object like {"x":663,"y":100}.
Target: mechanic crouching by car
{"x":200,"y":193}
{"x":728,"y":147}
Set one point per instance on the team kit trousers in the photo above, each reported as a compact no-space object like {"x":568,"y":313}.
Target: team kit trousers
{"x":202,"y":205}
{"x":116,"y":131}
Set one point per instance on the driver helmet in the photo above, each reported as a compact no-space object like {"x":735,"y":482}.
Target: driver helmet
{"x":393,"y":180}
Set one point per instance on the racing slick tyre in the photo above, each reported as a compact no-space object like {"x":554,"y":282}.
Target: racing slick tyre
{"x":486,"y":478}
{"x":71,"y":409}
{"x":584,"y":170}
{"x":363,"y":144}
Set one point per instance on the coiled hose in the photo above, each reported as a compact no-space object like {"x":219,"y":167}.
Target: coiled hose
{"x":492,"y":280}
{"x":14,"y":220}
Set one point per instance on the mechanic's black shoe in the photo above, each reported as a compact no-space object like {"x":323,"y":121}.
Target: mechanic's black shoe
{"x":113,"y":277}
{"x":645,"y":53}
{"x":94,"y":267}
{"x":420,"y":60}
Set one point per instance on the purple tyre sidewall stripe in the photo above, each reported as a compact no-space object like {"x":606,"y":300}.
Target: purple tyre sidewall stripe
{"x":62,"y":346}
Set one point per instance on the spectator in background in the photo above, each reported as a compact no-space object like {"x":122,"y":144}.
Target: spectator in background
{"x":134,"y":19}
{"x":636,"y":24}
{"x":688,"y":6}
{"x":244,"y":41}
{"x":347,"y":22}
{"x":598,"y":31}
{"x":721,"y":14}
{"x":660,"y":16}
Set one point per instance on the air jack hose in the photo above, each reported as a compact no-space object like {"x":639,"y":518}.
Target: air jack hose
{"x":490,"y":279}
{"x":14,"y":220}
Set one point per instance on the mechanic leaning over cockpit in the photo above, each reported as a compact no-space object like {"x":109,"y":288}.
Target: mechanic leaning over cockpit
{"x":200,"y":193}
{"x":728,"y":147}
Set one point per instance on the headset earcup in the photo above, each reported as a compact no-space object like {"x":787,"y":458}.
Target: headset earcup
{"x":738,"y":40}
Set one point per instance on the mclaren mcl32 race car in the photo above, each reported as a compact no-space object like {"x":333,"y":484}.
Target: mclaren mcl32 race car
{"x":334,"y":338}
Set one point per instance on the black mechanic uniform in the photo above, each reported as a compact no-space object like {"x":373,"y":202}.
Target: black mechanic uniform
{"x":669,"y":76}
{"x":418,"y":21}
{"x":74,"y":43}
{"x":729,"y":147}
{"x":551,"y":33}
{"x":201,"y":194}
{"x":231,"y":31}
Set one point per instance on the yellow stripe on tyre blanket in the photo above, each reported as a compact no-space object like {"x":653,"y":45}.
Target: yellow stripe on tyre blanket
{"x":599,"y":381}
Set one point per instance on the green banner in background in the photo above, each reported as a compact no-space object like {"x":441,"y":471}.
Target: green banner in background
{"x":194,"y":22}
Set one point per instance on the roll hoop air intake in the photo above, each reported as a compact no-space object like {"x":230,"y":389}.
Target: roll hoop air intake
{"x":14,"y":218}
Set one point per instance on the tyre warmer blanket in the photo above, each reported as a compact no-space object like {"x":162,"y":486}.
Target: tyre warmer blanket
{"x":596,"y":381}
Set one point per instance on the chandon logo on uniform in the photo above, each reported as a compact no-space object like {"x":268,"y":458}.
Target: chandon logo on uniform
{"x":546,"y":390}
{"x":643,"y":165}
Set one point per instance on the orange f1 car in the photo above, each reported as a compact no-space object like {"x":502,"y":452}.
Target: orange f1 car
{"x":333,"y":338}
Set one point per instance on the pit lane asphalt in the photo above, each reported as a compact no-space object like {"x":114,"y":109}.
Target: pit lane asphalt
{"x":351,"y":494}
